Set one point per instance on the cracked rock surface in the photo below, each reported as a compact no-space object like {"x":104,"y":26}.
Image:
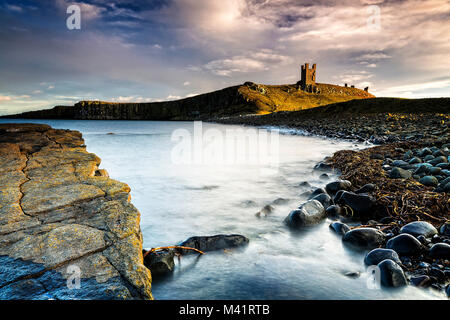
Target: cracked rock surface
{"x":61,"y":217}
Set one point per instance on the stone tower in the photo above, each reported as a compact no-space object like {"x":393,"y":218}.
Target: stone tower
{"x":308,"y":79}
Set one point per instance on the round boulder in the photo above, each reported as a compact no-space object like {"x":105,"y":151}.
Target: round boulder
{"x":391,"y":274}
{"x":361,"y":204}
{"x":309,"y":213}
{"x":405,"y":245}
{"x":339,"y":227}
{"x":366,"y":188}
{"x":336,"y":186}
{"x":365,"y":238}
{"x":429,"y":181}
{"x":445,"y":229}
{"x":440,"y":251}
{"x":333,"y":211}
{"x":160,"y":262}
{"x":399,"y":173}
{"x":324,"y":199}
{"x":375,"y":256}
{"x":419,"y":228}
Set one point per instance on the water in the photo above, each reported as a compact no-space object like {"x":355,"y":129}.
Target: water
{"x":180,"y":201}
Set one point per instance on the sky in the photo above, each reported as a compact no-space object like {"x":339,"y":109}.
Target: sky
{"x":143,"y":51}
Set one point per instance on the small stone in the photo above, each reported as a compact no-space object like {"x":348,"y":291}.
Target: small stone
{"x":309,"y":213}
{"x":429,"y":181}
{"x":418,"y":228}
{"x":160,"y":263}
{"x":421,"y":281}
{"x":361,"y":204}
{"x":445,"y":229}
{"x":316,"y":193}
{"x":415,"y":160}
{"x":324,"y":199}
{"x":400,"y":163}
{"x":440,"y":251}
{"x":438,"y":160}
{"x":425,"y":152}
{"x":405,"y":245}
{"x":375,"y":256}
{"x":334,"y":211}
{"x":339,"y":227}
{"x":391,"y":274}
{"x":366,"y":188}
{"x":367,"y":238}
{"x":399,"y":173}
{"x":336,"y":186}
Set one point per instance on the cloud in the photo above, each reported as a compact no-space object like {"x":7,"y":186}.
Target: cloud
{"x":5,"y":98}
{"x":254,"y":62}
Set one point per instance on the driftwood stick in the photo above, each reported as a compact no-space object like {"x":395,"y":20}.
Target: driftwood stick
{"x":152,"y":250}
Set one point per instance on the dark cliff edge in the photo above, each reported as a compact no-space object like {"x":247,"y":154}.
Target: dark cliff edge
{"x":249,"y":98}
{"x":67,"y":231}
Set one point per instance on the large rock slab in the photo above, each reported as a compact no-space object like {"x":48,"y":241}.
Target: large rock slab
{"x":61,"y":221}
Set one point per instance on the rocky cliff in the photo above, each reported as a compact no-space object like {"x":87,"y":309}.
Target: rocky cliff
{"x":249,"y":98}
{"x":62,"y":219}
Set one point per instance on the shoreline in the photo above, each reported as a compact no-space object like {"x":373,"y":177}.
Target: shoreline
{"x":419,"y":193}
{"x":67,"y":231}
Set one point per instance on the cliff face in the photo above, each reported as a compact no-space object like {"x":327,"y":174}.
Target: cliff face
{"x":61,"y":217}
{"x":249,"y":98}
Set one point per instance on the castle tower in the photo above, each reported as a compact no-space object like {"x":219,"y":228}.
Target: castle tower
{"x":308,"y":79}
{"x":308,"y":75}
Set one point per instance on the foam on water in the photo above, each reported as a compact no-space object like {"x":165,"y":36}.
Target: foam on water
{"x":180,"y":201}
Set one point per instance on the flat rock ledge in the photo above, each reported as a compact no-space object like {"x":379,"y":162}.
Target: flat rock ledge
{"x":62,"y":219}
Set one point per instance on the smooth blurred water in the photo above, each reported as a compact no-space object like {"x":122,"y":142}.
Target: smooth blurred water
{"x":180,"y":201}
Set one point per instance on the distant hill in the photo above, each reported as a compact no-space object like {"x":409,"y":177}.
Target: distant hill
{"x":249,"y":98}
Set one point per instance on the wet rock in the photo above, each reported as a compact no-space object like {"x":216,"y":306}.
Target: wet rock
{"x":376,"y":156}
{"x":336,"y":186}
{"x":366,"y":238}
{"x":305,"y":184}
{"x":445,"y":229}
{"x":391,"y":274}
{"x":322,"y":166}
{"x":405,"y":245}
{"x":447,"y":187}
{"x":400,"y":163}
{"x":419,"y":228}
{"x":265,"y":211}
{"x":375,"y":256}
{"x":437,"y":274}
{"x":399,"y":173}
{"x":366,"y":188}
{"x":447,"y":290}
{"x":212,"y":243}
{"x":415,"y":160}
{"x":334,"y":211}
{"x":429,"y":181}
{"x":421,"y":281}
{"x":440,"y":251}
{"x":361,"y":204}
{"x":280,"y":201}
{"x":438,"y":160}
{"x":316,"y":193}
{"x":160,"y":263}
{"x":339,"y":227}
{"x":324,"y":176}
{"x":324,"y":199}
{"x":425,"y":152}
{"x":353,"y":274}
{"x":309,"y":213}
{"x":423,"y":169}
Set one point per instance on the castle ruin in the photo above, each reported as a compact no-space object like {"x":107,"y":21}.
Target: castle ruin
{"x":308,"y":78}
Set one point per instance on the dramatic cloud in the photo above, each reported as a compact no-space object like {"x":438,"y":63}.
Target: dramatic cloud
{"x":140,"y":50}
